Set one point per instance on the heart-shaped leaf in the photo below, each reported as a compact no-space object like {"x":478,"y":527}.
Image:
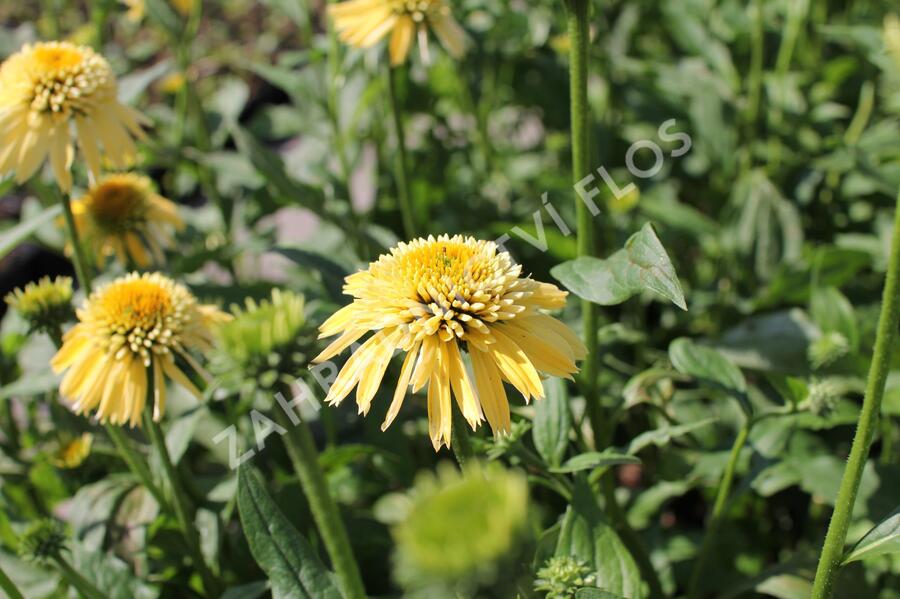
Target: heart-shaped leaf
{"x":642,"y":264}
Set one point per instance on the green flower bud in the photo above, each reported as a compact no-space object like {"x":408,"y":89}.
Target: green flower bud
{"x":460,"y":525}
{"x":42,"y":541}
{"x":264,"y":344}
{"x":823,"y":397}
{"x":561,"y":577}
{"x":45,"y":305}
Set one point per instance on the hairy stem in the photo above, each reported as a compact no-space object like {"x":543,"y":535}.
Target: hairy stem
{"x":136,"y":464}
{"x":461,"y":440}
{"x":302,"y":450}
{"x":833,"y":549}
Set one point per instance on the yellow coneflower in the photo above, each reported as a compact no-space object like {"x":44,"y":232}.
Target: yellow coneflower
{"x":131,"y":329}
{"x":123,"y":215}
{"x":44,"y":89}
{"x":363,"y":23}
{"x":433,"y":297}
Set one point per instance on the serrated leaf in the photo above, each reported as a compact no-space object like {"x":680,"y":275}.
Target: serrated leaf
{"x":587,"y":536}
{"x":884,"y":538}
{"x":642,"y":265}
{"x":289,"y":561}
{"x":12,"y":237}
{"x":663,"y":435}
{"x":552,"y":421}
{"x":595,"y":459}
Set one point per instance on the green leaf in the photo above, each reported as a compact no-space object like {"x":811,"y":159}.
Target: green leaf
{"x":708,"y":365}
{"x":884,"y":538}
{"x":663,"y":435}
{"x":595,"y":459}
{"x":642,"y":265}
{"x":833,"y":313}
{"x":552,"y":421}
{"x":109,"y":574}
{"x":271,"y":167}
{"x":161,"y":13}
{"x":587,"y":593}
{"x":587,"y":536}
{"x":289,"y":561}
{"x":12,"y":237}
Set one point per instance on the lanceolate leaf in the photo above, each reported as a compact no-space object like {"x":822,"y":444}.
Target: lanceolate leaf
{"x":289,"y":561}
{"x":883,"y":539}
{"x":552,"y":422}
{"x":595,"y":459}
{"x":10,"y":238}
{"x":587,"y":536}
{"x":664,"y":435}
{"x":642,"y":264}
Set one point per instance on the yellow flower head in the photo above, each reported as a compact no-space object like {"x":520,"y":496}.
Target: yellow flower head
{"x":433,"y":297}
{"x":129,"y":330}
{"x":123,"y":215}
{"x":44,"y":89}
{"x":363,"y":23}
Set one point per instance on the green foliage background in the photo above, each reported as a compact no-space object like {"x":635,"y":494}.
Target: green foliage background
{"x":279,"y":149}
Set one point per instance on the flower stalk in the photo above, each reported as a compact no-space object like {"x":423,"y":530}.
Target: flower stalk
{"x":180,"y":502}
{"x":722,"y":495}
{"x":82,"y":271}
{"x":301,"y":448}
{"x":461,"y":440}
{"x":402,"y":171}
{"x":9,"y":587}
{"x":84,"y":587}
{"x":579,"y":38}
{"x":835,"y":539}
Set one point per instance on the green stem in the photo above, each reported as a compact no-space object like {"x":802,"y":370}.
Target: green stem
{"x":82,"y":271}
{"x":833,"y":549}
{"x":461,"y":440}
{"x":578,"y":79}
{"x":83,"y":585}
{"x":722,"y":495}
{"x":136,"y":463}
{"x":99,"y":14}
{"x":179,"y":501}
{"x":9,"y":587}
{"x":302,"y":450}
{"x":402,"y":172}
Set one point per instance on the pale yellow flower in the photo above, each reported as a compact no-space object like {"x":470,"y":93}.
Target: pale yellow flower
{"x":123,"y":215}
{"x":45,"y":88}
{"x":363,"y":23}
{"x":130,"y":330}
{"x":432,"y":298}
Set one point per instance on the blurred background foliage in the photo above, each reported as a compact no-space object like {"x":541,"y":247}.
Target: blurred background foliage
{"x":275,"y":141}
